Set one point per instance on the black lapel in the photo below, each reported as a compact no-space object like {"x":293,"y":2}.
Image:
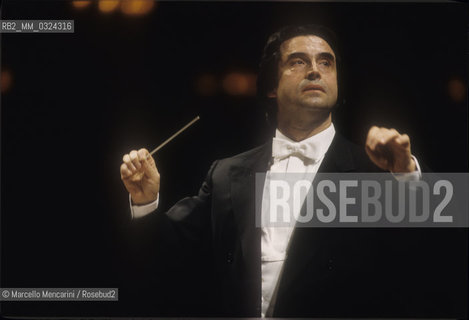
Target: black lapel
{"x":243,"y":197}
{"x":339,"y":156}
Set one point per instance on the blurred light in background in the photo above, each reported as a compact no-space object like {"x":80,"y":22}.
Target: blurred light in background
{"x":457,"y":89}
{"x":5,"y":80}
{"x":79,"y":4}
{"x":240,"y":84}
{"x":128,"y":7}
{"x":137,"y":7}
{"x":206,"y":85}
{"x":108,"y":5}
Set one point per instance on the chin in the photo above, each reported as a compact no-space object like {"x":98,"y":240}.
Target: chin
{"x":322,"y":106}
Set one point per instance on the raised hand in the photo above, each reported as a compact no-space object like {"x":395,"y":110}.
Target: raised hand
{"x":140,"y":176}
{"x":389,"y":150}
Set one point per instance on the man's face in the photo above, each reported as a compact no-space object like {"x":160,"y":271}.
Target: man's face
{"x":307,"y":77}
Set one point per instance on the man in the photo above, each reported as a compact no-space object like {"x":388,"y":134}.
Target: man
{"x":285,"y":272}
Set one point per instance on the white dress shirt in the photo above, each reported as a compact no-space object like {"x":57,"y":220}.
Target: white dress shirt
{"x":275,"y":240}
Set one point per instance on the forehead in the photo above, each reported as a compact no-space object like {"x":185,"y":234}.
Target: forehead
{"x":309,"y":44}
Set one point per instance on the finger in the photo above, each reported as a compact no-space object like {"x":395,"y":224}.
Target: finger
{"x":129,"y":163}
{"x":371,"y":139}
{"x":148,"y":164}
{"x":375,"y":155}
{"x":373,"y":128}
{"x":377,"y":158}
{"x":382,"y":137}
{"x":369,"y":152}
{"x":387,"y":135}
{"x":125,"y":172}
{"x":399,"y":145}
{"x":134,"y":158}
{"x":144,"y":153}
{"x":391,"y":133}
{"x":372,"y":131}
{"x":385,"y":163}
{"x":403,"y":140}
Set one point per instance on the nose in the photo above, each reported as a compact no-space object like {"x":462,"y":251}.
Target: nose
{"x":313,"y":72}
{"x":313,"y":75}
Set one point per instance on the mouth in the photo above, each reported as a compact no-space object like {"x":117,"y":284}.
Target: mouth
{"x":313,"y":87}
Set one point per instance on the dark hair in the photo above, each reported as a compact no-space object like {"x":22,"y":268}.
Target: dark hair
{"x":267,"y":78}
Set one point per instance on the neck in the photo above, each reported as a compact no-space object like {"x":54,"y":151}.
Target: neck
{"x":298,"y":131}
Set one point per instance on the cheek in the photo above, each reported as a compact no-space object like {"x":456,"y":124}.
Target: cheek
{"x":289,"y":79}
{"x":332,"y":84}
{"x":284,"y":84}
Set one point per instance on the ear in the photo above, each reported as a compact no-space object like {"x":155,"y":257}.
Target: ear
{"x":272,"y":94}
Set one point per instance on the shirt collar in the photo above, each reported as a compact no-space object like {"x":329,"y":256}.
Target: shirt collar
{"x":321,"y":141}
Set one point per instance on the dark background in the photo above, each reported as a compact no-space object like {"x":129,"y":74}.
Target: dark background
{"x":78,"y":102}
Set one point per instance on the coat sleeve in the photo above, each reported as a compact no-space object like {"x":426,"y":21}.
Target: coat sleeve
{"x":190,"y":217}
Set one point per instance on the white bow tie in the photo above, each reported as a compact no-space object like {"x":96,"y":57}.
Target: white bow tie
{"x":282,"y":149}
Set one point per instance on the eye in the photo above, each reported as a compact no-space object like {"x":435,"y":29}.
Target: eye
{"x":325,"y":63}
{"x":297,"y":61}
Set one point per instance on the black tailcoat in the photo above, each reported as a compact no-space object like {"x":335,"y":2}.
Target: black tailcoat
{"x":329,"y":272}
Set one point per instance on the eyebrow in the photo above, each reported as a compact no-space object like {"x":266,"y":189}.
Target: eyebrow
{"x":326,"y":55}
{"x":302,"y":55}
